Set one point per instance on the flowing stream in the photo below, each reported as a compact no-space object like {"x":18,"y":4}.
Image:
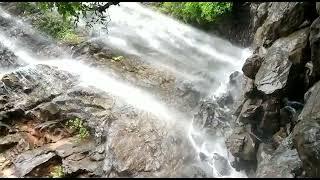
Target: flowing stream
{"x":190,"y":54}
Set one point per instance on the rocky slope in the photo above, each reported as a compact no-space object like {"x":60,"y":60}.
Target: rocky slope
{"x":277,"y":123}
{"x":38,"y":100}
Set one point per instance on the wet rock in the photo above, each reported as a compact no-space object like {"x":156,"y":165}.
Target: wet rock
{"x":79,"y":162}
{"x":241,"y":144}
{"x":27,"y":161}
{"x":221,"y":164}
{"x":279,"y":137}
{"x":269,"y":123}
{"x":318,"y":7}
{"x":251,"y":111}
{"x":306,"y":133}
{"x":211,"y":118}
{"x":260,"y":14}
{"x":8,"y":59}
{"x":264,"y":153}
{"x":274,"y":71}
{"x":252,"y":65}
{"x":235,"y":86}
{"x":48,"y":111}
{"x":250,"y":91}
{"x":283,"y":18}
{"x":44,"y":83}
{"x":315,"y":45}
{"x":284,"y":162}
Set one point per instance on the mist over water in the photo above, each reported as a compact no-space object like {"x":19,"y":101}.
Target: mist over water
{"x":192,"y":55}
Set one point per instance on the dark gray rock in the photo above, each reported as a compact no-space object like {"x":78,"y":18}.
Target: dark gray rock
{"x":274,"y":71}
{"x":251,"y":111}
{"x":306,"y":133}
{"x":269,"y":123}
{"x":241,"y":144}
{"x":211,"y":118}
{"x":27,"y":161}
{"x":283,"y":18}
{"x":315,"y":45}
{"x":318,"y":7}
{"x":259,"y":13}
{"x":252,"y":65}
{"x":8,"y":60}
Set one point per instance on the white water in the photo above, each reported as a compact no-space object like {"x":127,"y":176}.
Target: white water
{"x":169,"y":43}
{"x":165,"y":42}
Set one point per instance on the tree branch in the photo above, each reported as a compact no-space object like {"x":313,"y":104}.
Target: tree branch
{"x":103,"y":8}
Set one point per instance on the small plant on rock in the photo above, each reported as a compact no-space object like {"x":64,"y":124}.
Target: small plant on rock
{"x":57,"y":172}
{"x":77,"y":125}
{"x":118,"y":58}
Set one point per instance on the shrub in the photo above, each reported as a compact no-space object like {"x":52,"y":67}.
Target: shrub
{"x":51,"y":23}
{"x":200,"y":12}
{"x":77,"y":125}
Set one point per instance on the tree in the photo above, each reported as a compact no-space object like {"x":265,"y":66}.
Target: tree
{"x":74,"y":10}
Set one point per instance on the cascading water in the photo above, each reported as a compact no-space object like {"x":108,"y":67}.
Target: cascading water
{"x":166,"y":43}
{"x":186,"y":51}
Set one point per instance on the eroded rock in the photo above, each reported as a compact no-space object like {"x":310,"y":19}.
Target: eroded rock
{"x":283,"y":163}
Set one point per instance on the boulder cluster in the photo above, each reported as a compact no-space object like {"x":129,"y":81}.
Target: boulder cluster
{"x":277,"y":124}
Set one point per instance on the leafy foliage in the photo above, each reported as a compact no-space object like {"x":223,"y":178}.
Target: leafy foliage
{"x":200,"y":12}
{"x":55,"y":26}
{"x":78,"y":126}
{"x":93,"y":12}
{"x":52,"y":23}
{"x":57,"y":172}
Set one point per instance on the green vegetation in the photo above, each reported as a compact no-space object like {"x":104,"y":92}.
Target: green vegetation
{"x":60,"y":19}
{"x":54,"y":25}
{"x":199,"y":12}
{"x":77,"y":125}
{"x":73,"y":10}
{"x":57,"y":172}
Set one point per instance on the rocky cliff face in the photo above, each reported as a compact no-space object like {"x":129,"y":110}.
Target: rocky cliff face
{"x":278,"y":122}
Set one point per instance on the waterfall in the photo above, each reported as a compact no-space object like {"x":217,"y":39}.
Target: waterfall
{"x":192,"y":55}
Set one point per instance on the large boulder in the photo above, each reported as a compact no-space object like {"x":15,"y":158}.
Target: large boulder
{"x":306,"y":133}
{"x":259,"y":13}
{"x":252,"y":65}
{"x":274,"y":71}
{"x":283,"y":18}
{"x":132,"y":143}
